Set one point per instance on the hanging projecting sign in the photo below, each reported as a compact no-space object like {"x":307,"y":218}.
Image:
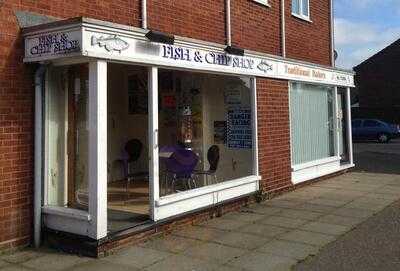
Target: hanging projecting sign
{"x":119,"y":44}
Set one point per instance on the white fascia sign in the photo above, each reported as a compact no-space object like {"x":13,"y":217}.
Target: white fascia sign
{"x":130,"y":45}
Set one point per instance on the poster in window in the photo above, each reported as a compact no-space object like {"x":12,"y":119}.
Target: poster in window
{"x":137,"y":95}
{"x":219,"y":132}
{"x":239,"y":132}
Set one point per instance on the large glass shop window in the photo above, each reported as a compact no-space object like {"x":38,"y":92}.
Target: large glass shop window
{"x":66,"y":137}
{"x":312,"y":122}
{"x":205,"y":130}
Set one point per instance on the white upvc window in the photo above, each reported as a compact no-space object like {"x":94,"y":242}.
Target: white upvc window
{"x":263,"y":2}
{"x":301,"y":9}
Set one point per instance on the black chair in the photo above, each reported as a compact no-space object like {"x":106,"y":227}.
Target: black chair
{"x":213,"y":160}
{"x":133,"y":150}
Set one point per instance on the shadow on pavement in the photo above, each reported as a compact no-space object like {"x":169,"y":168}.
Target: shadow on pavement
{"x":377,"y":162}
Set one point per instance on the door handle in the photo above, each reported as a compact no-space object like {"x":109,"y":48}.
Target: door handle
{"x":155,"y":140}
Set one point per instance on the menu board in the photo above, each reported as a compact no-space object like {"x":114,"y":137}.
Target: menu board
{"x":239,"y":132}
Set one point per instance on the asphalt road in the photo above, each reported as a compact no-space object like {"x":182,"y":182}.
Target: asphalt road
{"x":377,"y":157}
{"x":375,"y":244}
{"x":372,"y":246}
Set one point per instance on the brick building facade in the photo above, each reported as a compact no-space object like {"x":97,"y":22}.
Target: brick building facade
{"x":255,"y":27}
{"x":377,"y":85}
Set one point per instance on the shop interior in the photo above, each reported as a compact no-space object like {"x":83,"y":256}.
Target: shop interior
{"x":204,"y":137}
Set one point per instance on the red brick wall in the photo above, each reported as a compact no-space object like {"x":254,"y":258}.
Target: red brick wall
{"x":254,"y":27}
{"x":16,"y":105}
{"x":273,"y":134}
{"x":204,"y":20}
{"x":309,"y":41}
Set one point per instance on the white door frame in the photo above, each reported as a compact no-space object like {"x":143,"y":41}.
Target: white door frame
{"x":153,"y":140}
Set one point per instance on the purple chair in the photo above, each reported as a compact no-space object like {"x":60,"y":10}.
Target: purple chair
{"x":180,"y":165}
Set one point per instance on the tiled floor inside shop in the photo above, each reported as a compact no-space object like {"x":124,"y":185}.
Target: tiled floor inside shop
{"x":273,"y":235}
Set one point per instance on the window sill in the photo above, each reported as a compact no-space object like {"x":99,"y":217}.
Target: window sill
{"x":316,"y":163}
{"x":66,"y":212}
{"x":304,"y":18}
{"x":263,"y":2}
{"x":170,"y":199}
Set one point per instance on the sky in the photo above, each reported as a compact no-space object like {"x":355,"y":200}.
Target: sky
{"x":363,"y":28}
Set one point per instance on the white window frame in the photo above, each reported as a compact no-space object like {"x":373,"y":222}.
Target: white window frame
{"x":263,"y":2}
{"x":318,"y":168}
{"x":177,"y":204}
{"x":301,"y":14}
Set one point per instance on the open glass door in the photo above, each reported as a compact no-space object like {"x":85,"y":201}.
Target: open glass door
{"x":342,"y":125}
{"x":130,"y":146}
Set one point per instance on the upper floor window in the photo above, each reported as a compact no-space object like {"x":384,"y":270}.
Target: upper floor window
{"x":301,"y":8}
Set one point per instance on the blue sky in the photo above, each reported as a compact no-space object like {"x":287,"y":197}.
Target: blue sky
{"x":364,"y":27}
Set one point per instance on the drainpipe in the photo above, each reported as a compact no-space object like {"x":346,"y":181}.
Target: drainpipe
{"x":228,"y":23}
{"x":144,"y":14}
{"x":37,"y":201}
{"x":283,"y":28}
{"x":332,"y":34}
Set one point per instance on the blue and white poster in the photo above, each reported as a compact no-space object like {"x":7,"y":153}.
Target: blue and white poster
{"x":239,"y":132}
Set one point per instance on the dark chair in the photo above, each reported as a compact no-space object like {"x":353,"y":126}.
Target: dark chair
{"x":131,"y":154}
{"x":213,"y":160}
{"x":180,"y":166}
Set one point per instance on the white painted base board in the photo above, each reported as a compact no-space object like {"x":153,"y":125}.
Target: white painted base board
{"x":206,"y":196}
{"x":66,"y":220}
{"x":318,"y":170}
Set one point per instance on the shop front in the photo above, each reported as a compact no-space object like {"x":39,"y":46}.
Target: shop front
{"x":133,"y":132}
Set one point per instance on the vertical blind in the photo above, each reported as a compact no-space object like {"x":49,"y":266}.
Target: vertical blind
{"x":311,"y":121}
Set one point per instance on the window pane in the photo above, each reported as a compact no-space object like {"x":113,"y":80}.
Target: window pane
{"x":296,"y":6}
{"x":67,"y":137}
{"x":305,"y":4}
{"x":312,"y":127}
{"x":205,"y":132}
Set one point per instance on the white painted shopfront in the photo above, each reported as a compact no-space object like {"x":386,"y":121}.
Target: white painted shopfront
{"x":104,"y":55}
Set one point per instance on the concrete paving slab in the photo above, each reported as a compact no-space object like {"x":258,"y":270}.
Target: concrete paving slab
{"x":340,"y":220}
{"x":15,"y":267}
{"x":280,"y":203}
{"x":215,"y":252}
{"x":289,"y":249}
{"x":263,"y":230}
{"x":281,"y":221}
{"x":3,"y":264}
{"x":170,"y":243}
{"x":378,"y":195}
{"x":373,"y":205}
{"x":390,"y":189}
{"x":256,"y":261}
{"x":185,"y":263}
{"x":224,"y":224}
{"x":329,"y":202}
{"x":353,"y":212}
{"x":102,"y":265}
{"x":306,"y":237}
{"x":262,"y":209}
{"x":59,"y":261}
{"x":199,"y":233}
{"x":244,"y":216}
{"x":22,"y":256}
{"x":325,"y":228}
{"x":137,"y":257}
{"x":241,"y":240}
{"x":299,"y":214}
{"x":315,"y":208}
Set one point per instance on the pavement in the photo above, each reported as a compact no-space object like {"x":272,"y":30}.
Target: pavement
{"x":349,"y":222}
